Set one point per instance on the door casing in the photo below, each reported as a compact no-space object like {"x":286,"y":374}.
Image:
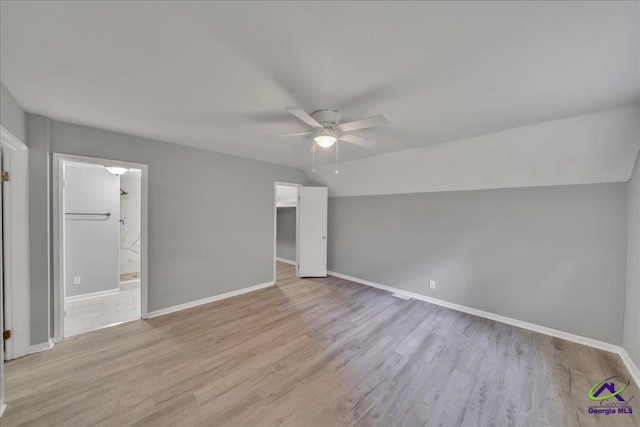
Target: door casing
{"x":275,"y":222}
{"x":15,"y":217}
{"x":58,"y":234}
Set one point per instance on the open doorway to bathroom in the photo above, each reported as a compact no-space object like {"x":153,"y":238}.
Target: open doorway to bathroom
{"x":99,"y":244}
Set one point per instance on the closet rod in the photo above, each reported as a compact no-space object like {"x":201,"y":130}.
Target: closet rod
{"x":88,"y":213}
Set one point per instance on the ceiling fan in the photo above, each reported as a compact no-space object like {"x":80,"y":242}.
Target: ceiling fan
{"x":327,"y":128}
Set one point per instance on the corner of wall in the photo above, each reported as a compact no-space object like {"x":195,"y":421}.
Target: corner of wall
{"x":635,"y":165}
{"x":12,"y":115}
{"x":310,"y":175}
{"x":631,"y":325}
{"x":38,"y":141}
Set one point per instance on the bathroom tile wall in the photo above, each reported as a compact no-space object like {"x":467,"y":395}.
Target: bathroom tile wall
{"x":130,"y":224}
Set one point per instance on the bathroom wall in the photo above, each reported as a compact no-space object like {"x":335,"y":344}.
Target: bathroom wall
{"x":130,"y":225}
{"x":91,"y":242}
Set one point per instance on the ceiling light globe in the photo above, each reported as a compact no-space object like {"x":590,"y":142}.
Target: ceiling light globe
{"x":325,"y":141}
{"x":325,"y":138}
{"x":116,"y":170}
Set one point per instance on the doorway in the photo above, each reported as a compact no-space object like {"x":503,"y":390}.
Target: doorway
{"x":100,"y":232}
{"x":300,"y":230}
{"x":286,"y":227}
{"x":14,"y":252}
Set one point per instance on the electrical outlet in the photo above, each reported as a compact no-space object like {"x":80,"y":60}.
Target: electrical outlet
{"x":432,"y":284}
{"x":76,"y":280}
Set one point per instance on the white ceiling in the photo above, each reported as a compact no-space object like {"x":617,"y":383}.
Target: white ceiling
{"x":219,"y":75}
{"x":592,"y":148}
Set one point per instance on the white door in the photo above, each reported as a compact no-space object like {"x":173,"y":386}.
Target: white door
{"x":312,"y":236}
{"x":2,"y":406}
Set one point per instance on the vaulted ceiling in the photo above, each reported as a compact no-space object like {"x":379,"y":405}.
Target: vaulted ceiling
{"x":219,"y":75}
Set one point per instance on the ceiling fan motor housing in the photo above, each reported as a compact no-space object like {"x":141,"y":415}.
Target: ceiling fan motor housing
{"x":327,"y":118}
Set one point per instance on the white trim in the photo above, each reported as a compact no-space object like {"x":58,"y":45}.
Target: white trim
{"x":58,"y":250}
{"x":144,"y":241}
{"x":626,"y":359}
{"x":3,"y":407}
{"x":286,"y":204}
{"x":38,"y":348}
{"x":58,"y":234}
{"x":81,"y":297}
{"x":275,"y":223}
{"x":16,"y":244}
{"x":287,"y":261}
{"x":9,"y":141}
{"x":487,"y":315}
{"x":196,"y":303}
{"x":631,"y":366}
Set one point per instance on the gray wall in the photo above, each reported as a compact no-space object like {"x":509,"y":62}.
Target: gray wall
{"x":39,"y":228}
{"x":553,"y":256}
{"x":12,"y":116}
{"x":210,"y":215}
{"x":92,"y":244}
{"x":632,"y":300}
{"x":286,"y":234}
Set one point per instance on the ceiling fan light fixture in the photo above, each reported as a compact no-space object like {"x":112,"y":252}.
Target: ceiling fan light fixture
{"x":325,"y":138}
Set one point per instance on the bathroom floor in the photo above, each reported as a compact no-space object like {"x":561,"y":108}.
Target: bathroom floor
{"x":98,"y":312}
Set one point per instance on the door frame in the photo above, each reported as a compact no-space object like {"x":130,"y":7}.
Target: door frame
{"x":275,"y":222}
{"x":15,"y":219}
{"x":58,"y":234}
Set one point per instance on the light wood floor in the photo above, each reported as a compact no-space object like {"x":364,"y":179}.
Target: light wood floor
{"x":311,"y":352}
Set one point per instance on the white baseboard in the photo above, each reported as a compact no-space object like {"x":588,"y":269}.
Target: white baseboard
{"x":196,"y":303}
{"x":631,"y":366}
{"x":2,"y":409}
{"x":288,"y":261}
{"x":75,"y":298}
{"x":130,"y":284}
{"x":633,"y":369}
{"x":37,"y":348}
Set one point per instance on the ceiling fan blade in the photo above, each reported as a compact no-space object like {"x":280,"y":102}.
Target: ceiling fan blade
{"x":305,"y":117}
{"x":363,"y":123}
{"x":358,"y":141}
{"x":288,"y":134}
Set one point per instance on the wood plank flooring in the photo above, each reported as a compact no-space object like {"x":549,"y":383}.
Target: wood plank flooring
{"x":315,"y":352}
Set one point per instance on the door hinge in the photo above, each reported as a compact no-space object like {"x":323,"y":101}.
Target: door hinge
{"x":6,"y":334}
{"x":5,"y":176}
